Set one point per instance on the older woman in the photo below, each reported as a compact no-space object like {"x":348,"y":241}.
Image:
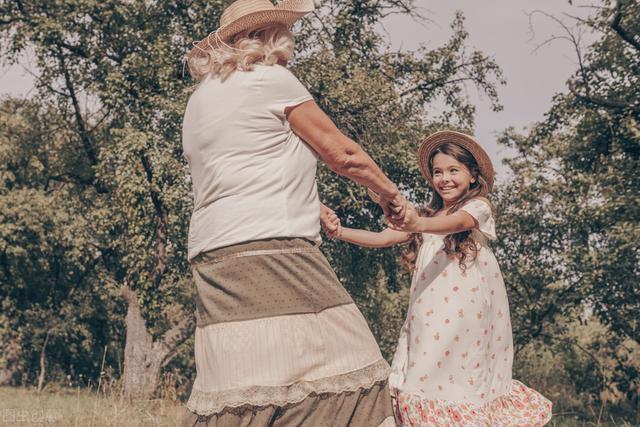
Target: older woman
{"x":279,"y":341}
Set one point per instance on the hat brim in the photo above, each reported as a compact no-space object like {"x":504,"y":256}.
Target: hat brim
{"x":433,"y":141}
{"x":286,"y":13}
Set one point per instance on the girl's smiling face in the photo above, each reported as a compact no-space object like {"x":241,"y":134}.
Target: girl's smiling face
{"x":451,"y":178}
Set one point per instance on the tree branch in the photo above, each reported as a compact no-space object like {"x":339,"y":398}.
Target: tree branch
{"x":82,"y":129}
{"x":617,"y":27}
{"x":161,"y":225}
{"x":166,"y":347}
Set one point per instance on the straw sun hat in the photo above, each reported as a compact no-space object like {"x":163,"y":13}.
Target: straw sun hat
{"x":433,"y":141}
{"x":243,"y":15}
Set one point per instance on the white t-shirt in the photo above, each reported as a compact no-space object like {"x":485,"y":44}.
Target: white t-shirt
{"x":252,"y":177}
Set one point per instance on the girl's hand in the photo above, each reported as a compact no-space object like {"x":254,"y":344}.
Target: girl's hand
{"x":408,"y":223}
{"x":330,"y":222}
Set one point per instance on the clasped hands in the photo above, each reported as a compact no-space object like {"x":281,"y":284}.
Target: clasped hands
{"x":400,"y":214}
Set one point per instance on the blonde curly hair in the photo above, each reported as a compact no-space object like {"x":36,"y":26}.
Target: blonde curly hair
{"x":268,"y":45}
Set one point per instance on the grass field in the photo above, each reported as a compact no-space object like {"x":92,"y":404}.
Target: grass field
{"x":21,"y":406}
{"x":81,"y":408}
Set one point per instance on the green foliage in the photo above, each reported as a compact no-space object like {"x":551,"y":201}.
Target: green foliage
{"x":569,"y":217}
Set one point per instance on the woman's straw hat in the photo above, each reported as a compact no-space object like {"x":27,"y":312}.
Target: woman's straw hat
{"x":243,"y":15}
{"x":433,"y":141}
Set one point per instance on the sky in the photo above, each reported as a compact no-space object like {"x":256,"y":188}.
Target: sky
{"x":499,"y":28}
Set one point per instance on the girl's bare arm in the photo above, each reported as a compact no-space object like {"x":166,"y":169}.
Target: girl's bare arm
{"x":372,"y":239}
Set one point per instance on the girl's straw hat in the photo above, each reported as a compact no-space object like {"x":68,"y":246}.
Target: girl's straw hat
{"x":247,"y":14}
{"x":433,"y":141}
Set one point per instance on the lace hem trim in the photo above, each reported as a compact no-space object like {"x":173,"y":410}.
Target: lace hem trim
{"x":207,"y":403}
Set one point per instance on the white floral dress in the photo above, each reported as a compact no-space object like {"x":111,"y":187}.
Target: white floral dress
{"x":453,"y":362}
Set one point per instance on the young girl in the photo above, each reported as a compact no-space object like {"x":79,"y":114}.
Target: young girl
{"x":453,"y":362}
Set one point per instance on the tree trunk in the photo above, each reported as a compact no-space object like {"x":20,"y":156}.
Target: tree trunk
{"x":143,"y":358}
{"x":43,"y":364}
{"x":12,"y":358}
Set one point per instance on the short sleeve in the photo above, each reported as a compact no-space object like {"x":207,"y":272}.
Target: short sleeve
{"x":282,"y":89}
{"x":481,"y":211}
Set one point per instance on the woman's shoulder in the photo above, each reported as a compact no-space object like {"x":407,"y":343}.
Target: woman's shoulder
{"x":274,"y":72}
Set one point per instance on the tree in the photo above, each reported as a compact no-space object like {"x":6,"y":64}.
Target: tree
{"x":573,"y":209}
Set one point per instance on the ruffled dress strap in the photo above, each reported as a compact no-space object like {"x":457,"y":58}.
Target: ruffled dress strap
{"x":480,"y":210}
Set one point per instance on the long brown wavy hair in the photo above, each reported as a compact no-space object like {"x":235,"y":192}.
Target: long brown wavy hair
{"x":461,"y":245}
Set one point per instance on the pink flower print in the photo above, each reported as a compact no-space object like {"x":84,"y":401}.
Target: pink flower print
{"x":465,"y":354}
{"x":427,"y":324}
{"x":424,"y":378}
{"x":439,"y":364}
{"x":500,"y":313}
{"x":456,"y":416}
{"x":493,"y":292}
{"x":440,"y":387}
{"x":451,"y":381}
{"x":479,"y":315}
{"x":413,"y":317}
{"x":473,"y":301}
{"x":486,"y":263}
{"x":419,"y":301}
{"x":499,"y":339}
{"x":475,"y":289}
{"x":496,"y":275}
{"x":493,"y":391}
{"x":478,"y":343}
{"x":481,"y":395}
{"x":417,"y":340}
{"x":436,"y":336}
{"x":446,"y":299}
{"x":423,"y":276}
{"x":470,"y":381}
{"x":447,"y":353}
{"x":435,"y":262}
{"x":493,"y":356}
{"x":455,"y":289}
{"x":464,"y":274}
{"x":444,"y":273}
{"x":447,"y":321}
{"x":482,"y":279}
{"x":486,"y":331}
{"x":429,"y":312}
{"x":477,"y":365}
{"x":456,"y":338}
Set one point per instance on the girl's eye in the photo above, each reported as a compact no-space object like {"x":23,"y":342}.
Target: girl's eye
{"x":454,"y":170}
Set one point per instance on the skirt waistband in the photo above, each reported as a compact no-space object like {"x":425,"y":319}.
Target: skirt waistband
{"x":283,"y":245}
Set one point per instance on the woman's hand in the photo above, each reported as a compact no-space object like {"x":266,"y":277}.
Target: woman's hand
{"x":392,"y":206}
{"x":329,"y":221}
{"x":409,"y":222}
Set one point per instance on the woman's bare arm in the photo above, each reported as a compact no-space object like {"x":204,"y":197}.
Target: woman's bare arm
{"x":342,"y":154}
